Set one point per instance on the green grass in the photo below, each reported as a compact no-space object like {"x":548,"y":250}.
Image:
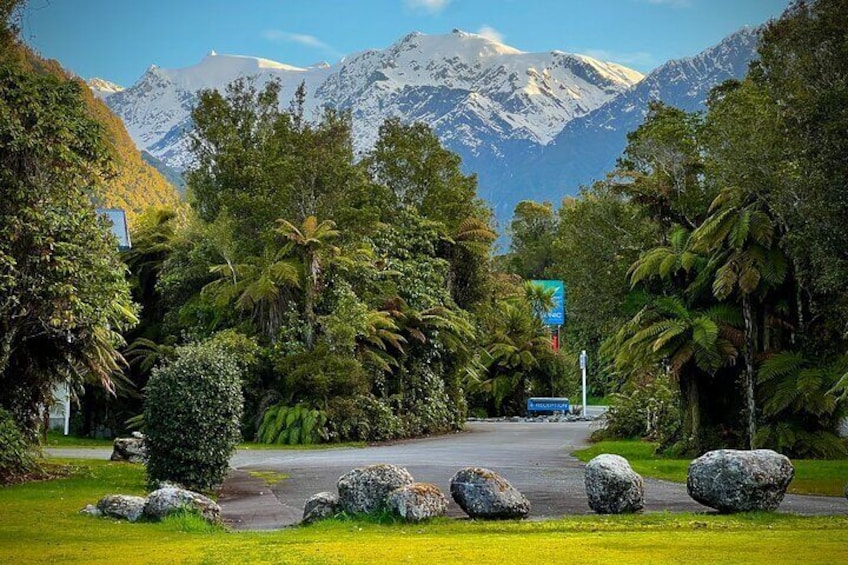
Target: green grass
{"x":271,"y":478}
{"x":57,"y":439}
{"x":39,"y":523}
{"x":598,"y":400}
{"x":826,"y":478}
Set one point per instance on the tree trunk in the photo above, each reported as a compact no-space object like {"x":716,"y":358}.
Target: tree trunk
{"x":748,"y":375}
{"x":692,"y":411}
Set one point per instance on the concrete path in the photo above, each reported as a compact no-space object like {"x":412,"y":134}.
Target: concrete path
{"x":534,"y":457}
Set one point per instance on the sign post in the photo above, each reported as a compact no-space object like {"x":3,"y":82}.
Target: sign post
{"x":583,"y":360}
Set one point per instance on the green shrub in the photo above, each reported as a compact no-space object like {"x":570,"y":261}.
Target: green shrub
{"x":362,"y":418}
{"x":293,"y":425}
{"x":192,"y":415}
{"x":17,"y":456}
{"x":649,"y":410}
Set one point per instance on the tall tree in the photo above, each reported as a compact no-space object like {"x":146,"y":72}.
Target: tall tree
{"x":63,"y":296}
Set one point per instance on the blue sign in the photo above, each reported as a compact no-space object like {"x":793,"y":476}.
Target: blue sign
{"x":548,"y":405}
{"x":556,"y":315}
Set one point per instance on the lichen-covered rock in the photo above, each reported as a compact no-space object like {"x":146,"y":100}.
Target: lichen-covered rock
{"x":417,"y":502}
{"x":365,"y":489}
{"x":320,"y":507}
{"x":482,"y":493}
{"x":612,"y":486}
{"x":130,"y":449}
{"x":165,"y":501}
{"x":738,"y":481}
{"x":91,"y":510}
{"x":122,"y":506}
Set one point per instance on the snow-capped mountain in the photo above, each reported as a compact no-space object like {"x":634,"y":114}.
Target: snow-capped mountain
{"x":531,"y":125}
{"x":103,"y":88}
{"x":588,"y":146}
{"x":477,"y":94}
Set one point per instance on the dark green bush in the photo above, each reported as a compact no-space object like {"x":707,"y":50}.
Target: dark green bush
{"x":649,"y":410}
{"x":192,"y":414}
{"x":362,"y":418}
{"x":17,"y":456}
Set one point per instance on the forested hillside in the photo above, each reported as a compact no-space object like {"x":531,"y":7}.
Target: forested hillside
{"x":130,"y":183}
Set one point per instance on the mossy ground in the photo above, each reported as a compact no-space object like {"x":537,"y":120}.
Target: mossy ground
{"x":826,"y":478}
{"x":39,"y":523}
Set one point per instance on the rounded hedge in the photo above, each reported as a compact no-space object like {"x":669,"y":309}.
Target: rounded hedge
{"x":192,"y":414}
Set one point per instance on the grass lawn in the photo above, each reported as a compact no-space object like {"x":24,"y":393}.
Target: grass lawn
{"x":39,"y":523}
{"x":821,"y":477}
{"x":57,"y":439}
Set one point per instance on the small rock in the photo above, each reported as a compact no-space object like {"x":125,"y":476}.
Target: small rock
{"x":122,"y":506}
{"x":365,"y":489}
{"x":320,"y":507}
{"x":612,"y":486}
{"x":130,"y":449}
{"x":417,"y":502}
{"x":169,"y":500}
{"x":91,"y":510}
{"x":482,"y":493}
{"x":738,"y":481}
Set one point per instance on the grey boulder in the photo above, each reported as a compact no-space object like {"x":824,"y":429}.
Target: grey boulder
{"x":130,"y":449}
{"x":482,"y":493}
{"x":365,"y":489}
{"x":166,"y":501}
{"x":122,"y":506}
{"x":91,"y":510}
{"x":612,"y":486}
{"x":738,"y":481}
{"x":320,"y":507}
{"x":417,"y":502}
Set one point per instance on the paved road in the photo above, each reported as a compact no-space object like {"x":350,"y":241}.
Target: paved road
{"x":534,"y":457}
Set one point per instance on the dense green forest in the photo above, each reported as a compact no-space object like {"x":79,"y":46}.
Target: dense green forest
{"x":709,"y":272}
{"x":362,"y":298}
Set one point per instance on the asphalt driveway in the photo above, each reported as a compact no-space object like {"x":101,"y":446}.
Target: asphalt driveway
{"x":534,"y":457}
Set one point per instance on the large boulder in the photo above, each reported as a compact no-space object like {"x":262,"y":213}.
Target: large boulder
{"x":122,"y":506}
{"x":612,"y":486}
{"x":482,"y":493}
{"x":320,"y":507}
{"x":365,"y":489}
{"x":417,"y":502}
{"x":130,"y":449}
{"x":737,"y":481}
{"x":170,"y":500}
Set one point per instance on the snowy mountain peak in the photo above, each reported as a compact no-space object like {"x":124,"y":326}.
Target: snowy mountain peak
{"x":103,"y":88}
{"x":477,"y":94}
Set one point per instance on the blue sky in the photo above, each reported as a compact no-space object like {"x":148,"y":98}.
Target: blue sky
{"x":118,"y":39}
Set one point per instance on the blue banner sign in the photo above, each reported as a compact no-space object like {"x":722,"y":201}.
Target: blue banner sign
{"x":556,"y":315}
{"x":539,"y":404}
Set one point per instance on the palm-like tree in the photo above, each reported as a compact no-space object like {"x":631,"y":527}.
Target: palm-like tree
{"x":514,"y":351}
{"x":799,"y":396}
{"x":740,"y":235}
{"x":689,"y":344}
{"x":311,"y":241}
{"x":258,"y":284}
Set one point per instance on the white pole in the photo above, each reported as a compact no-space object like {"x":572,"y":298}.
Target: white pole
{"x":583,"y":369}
{"x":67,"y":403}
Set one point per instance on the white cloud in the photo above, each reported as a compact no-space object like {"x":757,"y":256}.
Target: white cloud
{"x":637,"y":58}
{"x":490,"y":33}
{"x":278,"y":36}
{"x":430,"y":6}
